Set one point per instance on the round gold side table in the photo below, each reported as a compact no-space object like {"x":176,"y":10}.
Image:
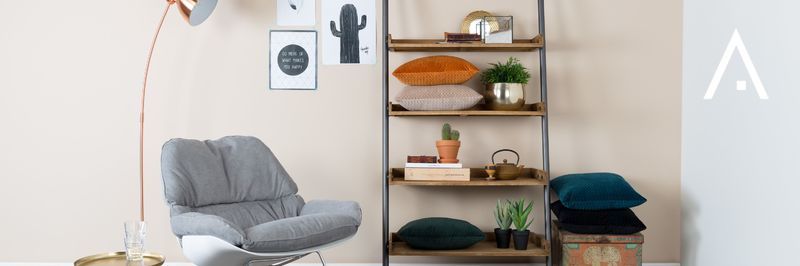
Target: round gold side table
{"x":118,"y":258}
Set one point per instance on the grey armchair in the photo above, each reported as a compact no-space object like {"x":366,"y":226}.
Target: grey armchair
{"x":232,"y":203}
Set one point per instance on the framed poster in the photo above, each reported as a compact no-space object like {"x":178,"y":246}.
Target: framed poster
{"x":500,"y":31}
{"x":293,"y":60}
{"x":296,"y":12}
{"x":348,"y":32}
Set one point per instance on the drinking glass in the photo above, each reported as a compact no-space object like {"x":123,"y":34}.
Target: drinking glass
{"x":490,"y":170}
{"x":135,"y":232}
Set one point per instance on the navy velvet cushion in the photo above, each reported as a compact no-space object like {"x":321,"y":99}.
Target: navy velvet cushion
{"x":440,"y":234}
{"x":613,"y":221}
{"x":595,"y":191}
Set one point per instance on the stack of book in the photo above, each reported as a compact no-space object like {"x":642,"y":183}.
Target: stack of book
{"x":436,"y":172}
{"x":461,"y":37}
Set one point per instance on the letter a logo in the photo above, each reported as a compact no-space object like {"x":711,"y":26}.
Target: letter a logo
{"x":736,"y":44}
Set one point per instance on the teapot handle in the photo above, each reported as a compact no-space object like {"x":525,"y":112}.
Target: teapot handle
{"x":509,"y":150}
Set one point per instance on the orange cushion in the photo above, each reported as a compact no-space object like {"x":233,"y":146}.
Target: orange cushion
{"x":435,"y":70}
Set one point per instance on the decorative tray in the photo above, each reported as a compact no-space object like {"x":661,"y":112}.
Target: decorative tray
{"x":118,"y":258}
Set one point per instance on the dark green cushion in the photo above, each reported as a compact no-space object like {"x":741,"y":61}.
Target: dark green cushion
{"x":597,"y":222}
{"x":595,"y":191}
{"x":438,"y":233}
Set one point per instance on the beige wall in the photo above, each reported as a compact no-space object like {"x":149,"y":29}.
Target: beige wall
{"x":71,"y":74}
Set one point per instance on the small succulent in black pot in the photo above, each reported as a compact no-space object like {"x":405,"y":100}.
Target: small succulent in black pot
{"x":520,"y":211}
{"x":502,"y":234}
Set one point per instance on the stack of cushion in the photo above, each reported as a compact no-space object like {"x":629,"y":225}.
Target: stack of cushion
{"x":434,"y":84}
{"x":596,"y":203}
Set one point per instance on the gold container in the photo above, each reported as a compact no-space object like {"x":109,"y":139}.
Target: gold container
{"x":118,"y":258}
{"x":505,"y":96}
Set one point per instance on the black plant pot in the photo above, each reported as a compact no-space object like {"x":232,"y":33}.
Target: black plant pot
{"x":521,"y":239}
{"x":502,"y":237}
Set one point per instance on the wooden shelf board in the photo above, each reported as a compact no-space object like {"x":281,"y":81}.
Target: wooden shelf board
{"x":537,"y":247}
{"x":438,"y":45}
{"x":529,"y":177}
{"x":536,"y":109}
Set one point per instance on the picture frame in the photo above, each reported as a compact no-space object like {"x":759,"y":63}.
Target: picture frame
{"x":501,"y":30}
{"x":293,"y":60}
{"x":349,"y":32}
{"x":296,"y":12}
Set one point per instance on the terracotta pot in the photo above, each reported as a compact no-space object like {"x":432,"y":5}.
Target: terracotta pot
{"x":448,"y":150}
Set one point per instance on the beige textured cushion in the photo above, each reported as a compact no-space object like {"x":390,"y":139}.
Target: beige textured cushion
{"x":438,"y":98}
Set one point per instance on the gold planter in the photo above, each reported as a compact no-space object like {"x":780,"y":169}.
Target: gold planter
{"x":505,"y":96}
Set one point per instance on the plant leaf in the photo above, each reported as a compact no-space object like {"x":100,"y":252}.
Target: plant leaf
{"x":510,"y":72}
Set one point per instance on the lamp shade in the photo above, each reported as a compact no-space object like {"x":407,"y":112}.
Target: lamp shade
{"x":196,"y":11}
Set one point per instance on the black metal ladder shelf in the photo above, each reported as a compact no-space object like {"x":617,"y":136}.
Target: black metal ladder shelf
{"x":542,"y":243}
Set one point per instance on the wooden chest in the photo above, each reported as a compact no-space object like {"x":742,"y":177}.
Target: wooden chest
{"x":596,"y":250}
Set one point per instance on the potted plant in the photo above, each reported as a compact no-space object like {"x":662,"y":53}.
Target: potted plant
{"x":519,"y":216}
{"x":502,"y":234}
{"x":449,"y":144}
{"x":505,"y":85}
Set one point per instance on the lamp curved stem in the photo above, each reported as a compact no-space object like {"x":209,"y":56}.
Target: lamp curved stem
{"x":141,"y":110}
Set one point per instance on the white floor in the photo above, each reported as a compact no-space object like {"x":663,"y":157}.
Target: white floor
{"x":330,"y":264}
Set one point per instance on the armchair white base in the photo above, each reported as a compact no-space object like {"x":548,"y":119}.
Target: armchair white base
{"x":211,"y":251}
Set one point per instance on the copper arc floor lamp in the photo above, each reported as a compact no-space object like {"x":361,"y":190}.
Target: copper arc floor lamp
{"x":194,"y":12}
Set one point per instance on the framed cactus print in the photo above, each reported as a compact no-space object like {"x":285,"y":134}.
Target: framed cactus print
{"x":348,"y":32}
{"x":293,"y":60}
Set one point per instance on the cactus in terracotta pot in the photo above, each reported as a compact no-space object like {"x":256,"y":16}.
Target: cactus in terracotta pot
{"x":449,"y":144}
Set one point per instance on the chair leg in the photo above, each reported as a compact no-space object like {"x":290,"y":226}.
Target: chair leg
{"x":282,"y":261}
{"x":274,"y":261}
{"x":320,"y":257}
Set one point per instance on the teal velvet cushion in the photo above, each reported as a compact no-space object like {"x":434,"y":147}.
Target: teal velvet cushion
{"x":596,"y":191}
{"x":438,"y":233}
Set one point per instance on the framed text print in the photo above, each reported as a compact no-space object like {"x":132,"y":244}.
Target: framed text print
{"x":293,"y":60}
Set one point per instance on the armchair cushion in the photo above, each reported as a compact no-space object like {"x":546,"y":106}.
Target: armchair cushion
{"x":194,"y":223}
{"x":301,"y":232}
{"x":251,"y":213}
{"x":228,"y":170}
{"x":346,"y":208}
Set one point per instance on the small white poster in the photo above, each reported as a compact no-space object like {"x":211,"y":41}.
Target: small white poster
{"x":293,"y":60}
{"x":297,"y":12}
{"x":348,"y":32}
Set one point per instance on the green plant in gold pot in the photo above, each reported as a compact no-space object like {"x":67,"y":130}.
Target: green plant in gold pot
{"x":505,"y":85}
{"x":449,"y":144}
{"x":502,"y":234}
{"x":519,"y":216}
